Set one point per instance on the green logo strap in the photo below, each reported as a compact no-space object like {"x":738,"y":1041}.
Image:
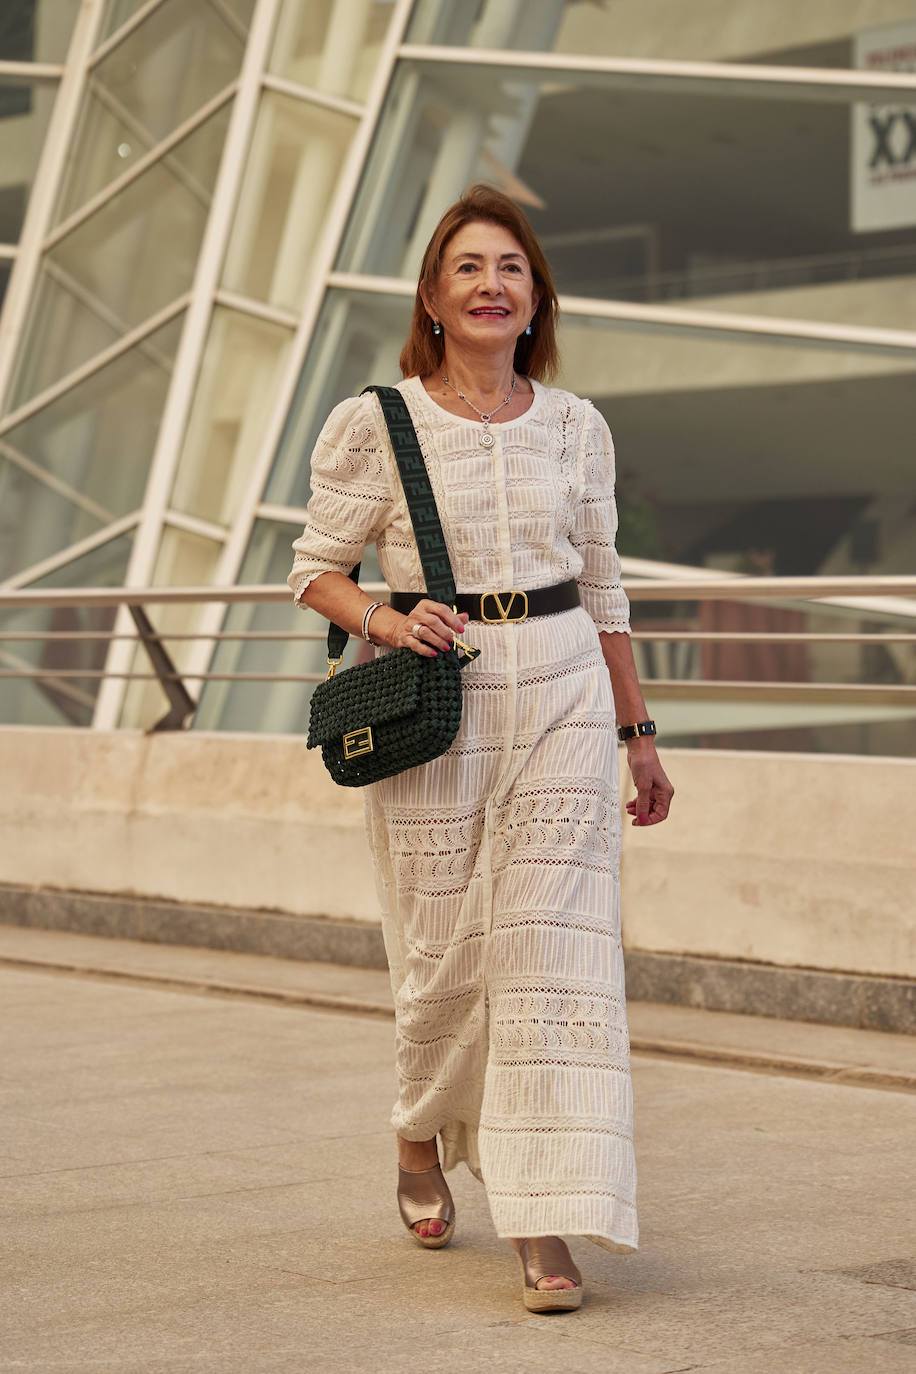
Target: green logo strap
{"x":427,"y":528}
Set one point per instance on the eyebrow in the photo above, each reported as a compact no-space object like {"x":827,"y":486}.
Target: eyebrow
{"x":478,"y":257}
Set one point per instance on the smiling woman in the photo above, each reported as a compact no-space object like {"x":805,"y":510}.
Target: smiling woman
{"x":485,"y":221}
{"x":499,"y":860}
{"x":483,"y":299}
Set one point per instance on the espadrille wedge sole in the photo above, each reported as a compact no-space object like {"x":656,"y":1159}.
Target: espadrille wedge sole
{"x":544,"y":1257}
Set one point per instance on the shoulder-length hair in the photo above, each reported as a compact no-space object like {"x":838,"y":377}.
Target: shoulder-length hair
{"x":536,"y":355}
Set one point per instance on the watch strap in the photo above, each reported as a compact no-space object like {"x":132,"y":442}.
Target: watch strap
{"x":642,"y":727}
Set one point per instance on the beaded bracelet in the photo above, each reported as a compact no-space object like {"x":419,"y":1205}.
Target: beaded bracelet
{"x":370,"y":610}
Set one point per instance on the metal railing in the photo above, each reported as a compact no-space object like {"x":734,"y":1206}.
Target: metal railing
{"x":891,"y":598}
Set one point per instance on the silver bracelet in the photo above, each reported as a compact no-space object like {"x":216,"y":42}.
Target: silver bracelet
{"x":369,"y":612}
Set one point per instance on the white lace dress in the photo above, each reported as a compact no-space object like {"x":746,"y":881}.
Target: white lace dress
{"x":498,"y":863}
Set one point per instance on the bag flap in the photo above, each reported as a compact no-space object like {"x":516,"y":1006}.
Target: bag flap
{"x":369,"y":694}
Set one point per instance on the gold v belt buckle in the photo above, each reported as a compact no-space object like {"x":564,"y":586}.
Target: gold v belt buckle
{"x":505,"y":615}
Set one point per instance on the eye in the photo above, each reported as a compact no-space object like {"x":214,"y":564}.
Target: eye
{"x":465,"y":266}
{"x":513,"y":267}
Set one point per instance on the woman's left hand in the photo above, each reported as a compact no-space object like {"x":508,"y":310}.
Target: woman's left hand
{"x":653,"y":790}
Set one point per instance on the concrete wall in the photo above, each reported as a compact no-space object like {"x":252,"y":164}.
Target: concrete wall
{"x":792,"y":860}
{"x":229,"y":820}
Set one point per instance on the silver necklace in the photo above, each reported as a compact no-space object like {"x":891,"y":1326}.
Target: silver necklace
{"x":486,"y":438}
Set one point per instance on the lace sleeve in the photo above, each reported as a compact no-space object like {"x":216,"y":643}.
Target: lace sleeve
{"x":596,"y":528}
{"x":351,"y":498}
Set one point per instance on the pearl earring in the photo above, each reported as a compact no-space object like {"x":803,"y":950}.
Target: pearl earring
{"x":528,"y":330}
{"x":437,"y":328}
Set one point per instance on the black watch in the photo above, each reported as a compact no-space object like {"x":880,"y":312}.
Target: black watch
{"x":642,"y":727}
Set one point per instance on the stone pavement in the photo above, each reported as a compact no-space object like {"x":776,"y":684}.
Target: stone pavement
{"x":198,"y":1182}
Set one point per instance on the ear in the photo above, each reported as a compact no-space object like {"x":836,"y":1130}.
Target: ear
{"x":429,"y":304}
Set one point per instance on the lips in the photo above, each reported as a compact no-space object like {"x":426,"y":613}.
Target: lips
{"x":490,"y":310}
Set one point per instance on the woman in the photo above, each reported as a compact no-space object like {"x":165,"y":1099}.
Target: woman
{"x":498,"y":863}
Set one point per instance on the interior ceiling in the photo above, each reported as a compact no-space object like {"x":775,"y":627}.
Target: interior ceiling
{"x":849,"y":437}
{"x":744,"y":177}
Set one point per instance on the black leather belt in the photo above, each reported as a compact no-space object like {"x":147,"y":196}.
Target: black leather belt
{"x":495,"y":608}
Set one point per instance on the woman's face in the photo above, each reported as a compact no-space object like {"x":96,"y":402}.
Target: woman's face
{"x":485,"y":295}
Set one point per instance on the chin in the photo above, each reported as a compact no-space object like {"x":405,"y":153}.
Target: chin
{"x":500,"y":327}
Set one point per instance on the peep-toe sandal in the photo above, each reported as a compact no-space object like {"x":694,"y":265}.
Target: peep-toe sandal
{"x":544,"y":1257}
{"x":425,"y":1196}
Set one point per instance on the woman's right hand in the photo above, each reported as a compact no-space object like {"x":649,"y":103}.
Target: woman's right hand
{"x":431,"y":626}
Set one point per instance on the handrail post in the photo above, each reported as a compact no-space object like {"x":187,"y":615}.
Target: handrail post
{"x":181,"y":704}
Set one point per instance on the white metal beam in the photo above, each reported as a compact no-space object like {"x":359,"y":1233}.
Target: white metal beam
{"x":260,"y":310}
{"x":680,"y":319}
{"x":283,"y":515}
{"x":192,"y":524}
{"x":308,"y":95}
{"x":730,"y":79}
{"x":28,"y":72}
{"x":72,"y":552}
{"x":190,"y":353}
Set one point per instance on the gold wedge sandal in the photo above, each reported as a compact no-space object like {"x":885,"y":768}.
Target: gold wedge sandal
{"x":543,"y":1257}
{"x":425,"y":1196}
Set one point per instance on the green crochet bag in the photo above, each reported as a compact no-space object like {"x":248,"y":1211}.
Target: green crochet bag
{"x":402,"y":709}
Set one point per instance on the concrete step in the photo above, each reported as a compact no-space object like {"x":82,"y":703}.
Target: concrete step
{"x":833,"y":1054}
{"x":860,"y":1000}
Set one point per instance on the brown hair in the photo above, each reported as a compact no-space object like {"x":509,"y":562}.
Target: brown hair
{"x":535,"y":355}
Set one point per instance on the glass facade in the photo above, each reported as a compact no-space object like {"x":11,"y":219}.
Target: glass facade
{"x":183,"y":56}
{"x":233,"y":401}
{"x":331,"y":47}
{"x":25,"y":109}
{"x":109,"y":274}
{"x":727,"y":195}
{"x":297,"y":151}
{"x":49,"y":699}
{"x":88,"y":453}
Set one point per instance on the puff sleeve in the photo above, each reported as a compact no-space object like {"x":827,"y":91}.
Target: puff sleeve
{"x":351,"y":500}
{"x":596,"y":528}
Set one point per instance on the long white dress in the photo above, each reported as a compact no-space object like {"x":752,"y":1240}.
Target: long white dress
{"x":498,"y":863}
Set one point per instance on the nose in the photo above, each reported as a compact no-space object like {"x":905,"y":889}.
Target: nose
{"x":490,"y":279}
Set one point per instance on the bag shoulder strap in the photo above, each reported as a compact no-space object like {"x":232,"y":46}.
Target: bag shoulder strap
{"x":421,"y":503}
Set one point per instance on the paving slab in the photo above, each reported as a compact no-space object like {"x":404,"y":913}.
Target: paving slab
{"x":196,"y":1183}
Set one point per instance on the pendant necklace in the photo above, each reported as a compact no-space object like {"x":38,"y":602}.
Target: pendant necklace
{"x":486,"y":438}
